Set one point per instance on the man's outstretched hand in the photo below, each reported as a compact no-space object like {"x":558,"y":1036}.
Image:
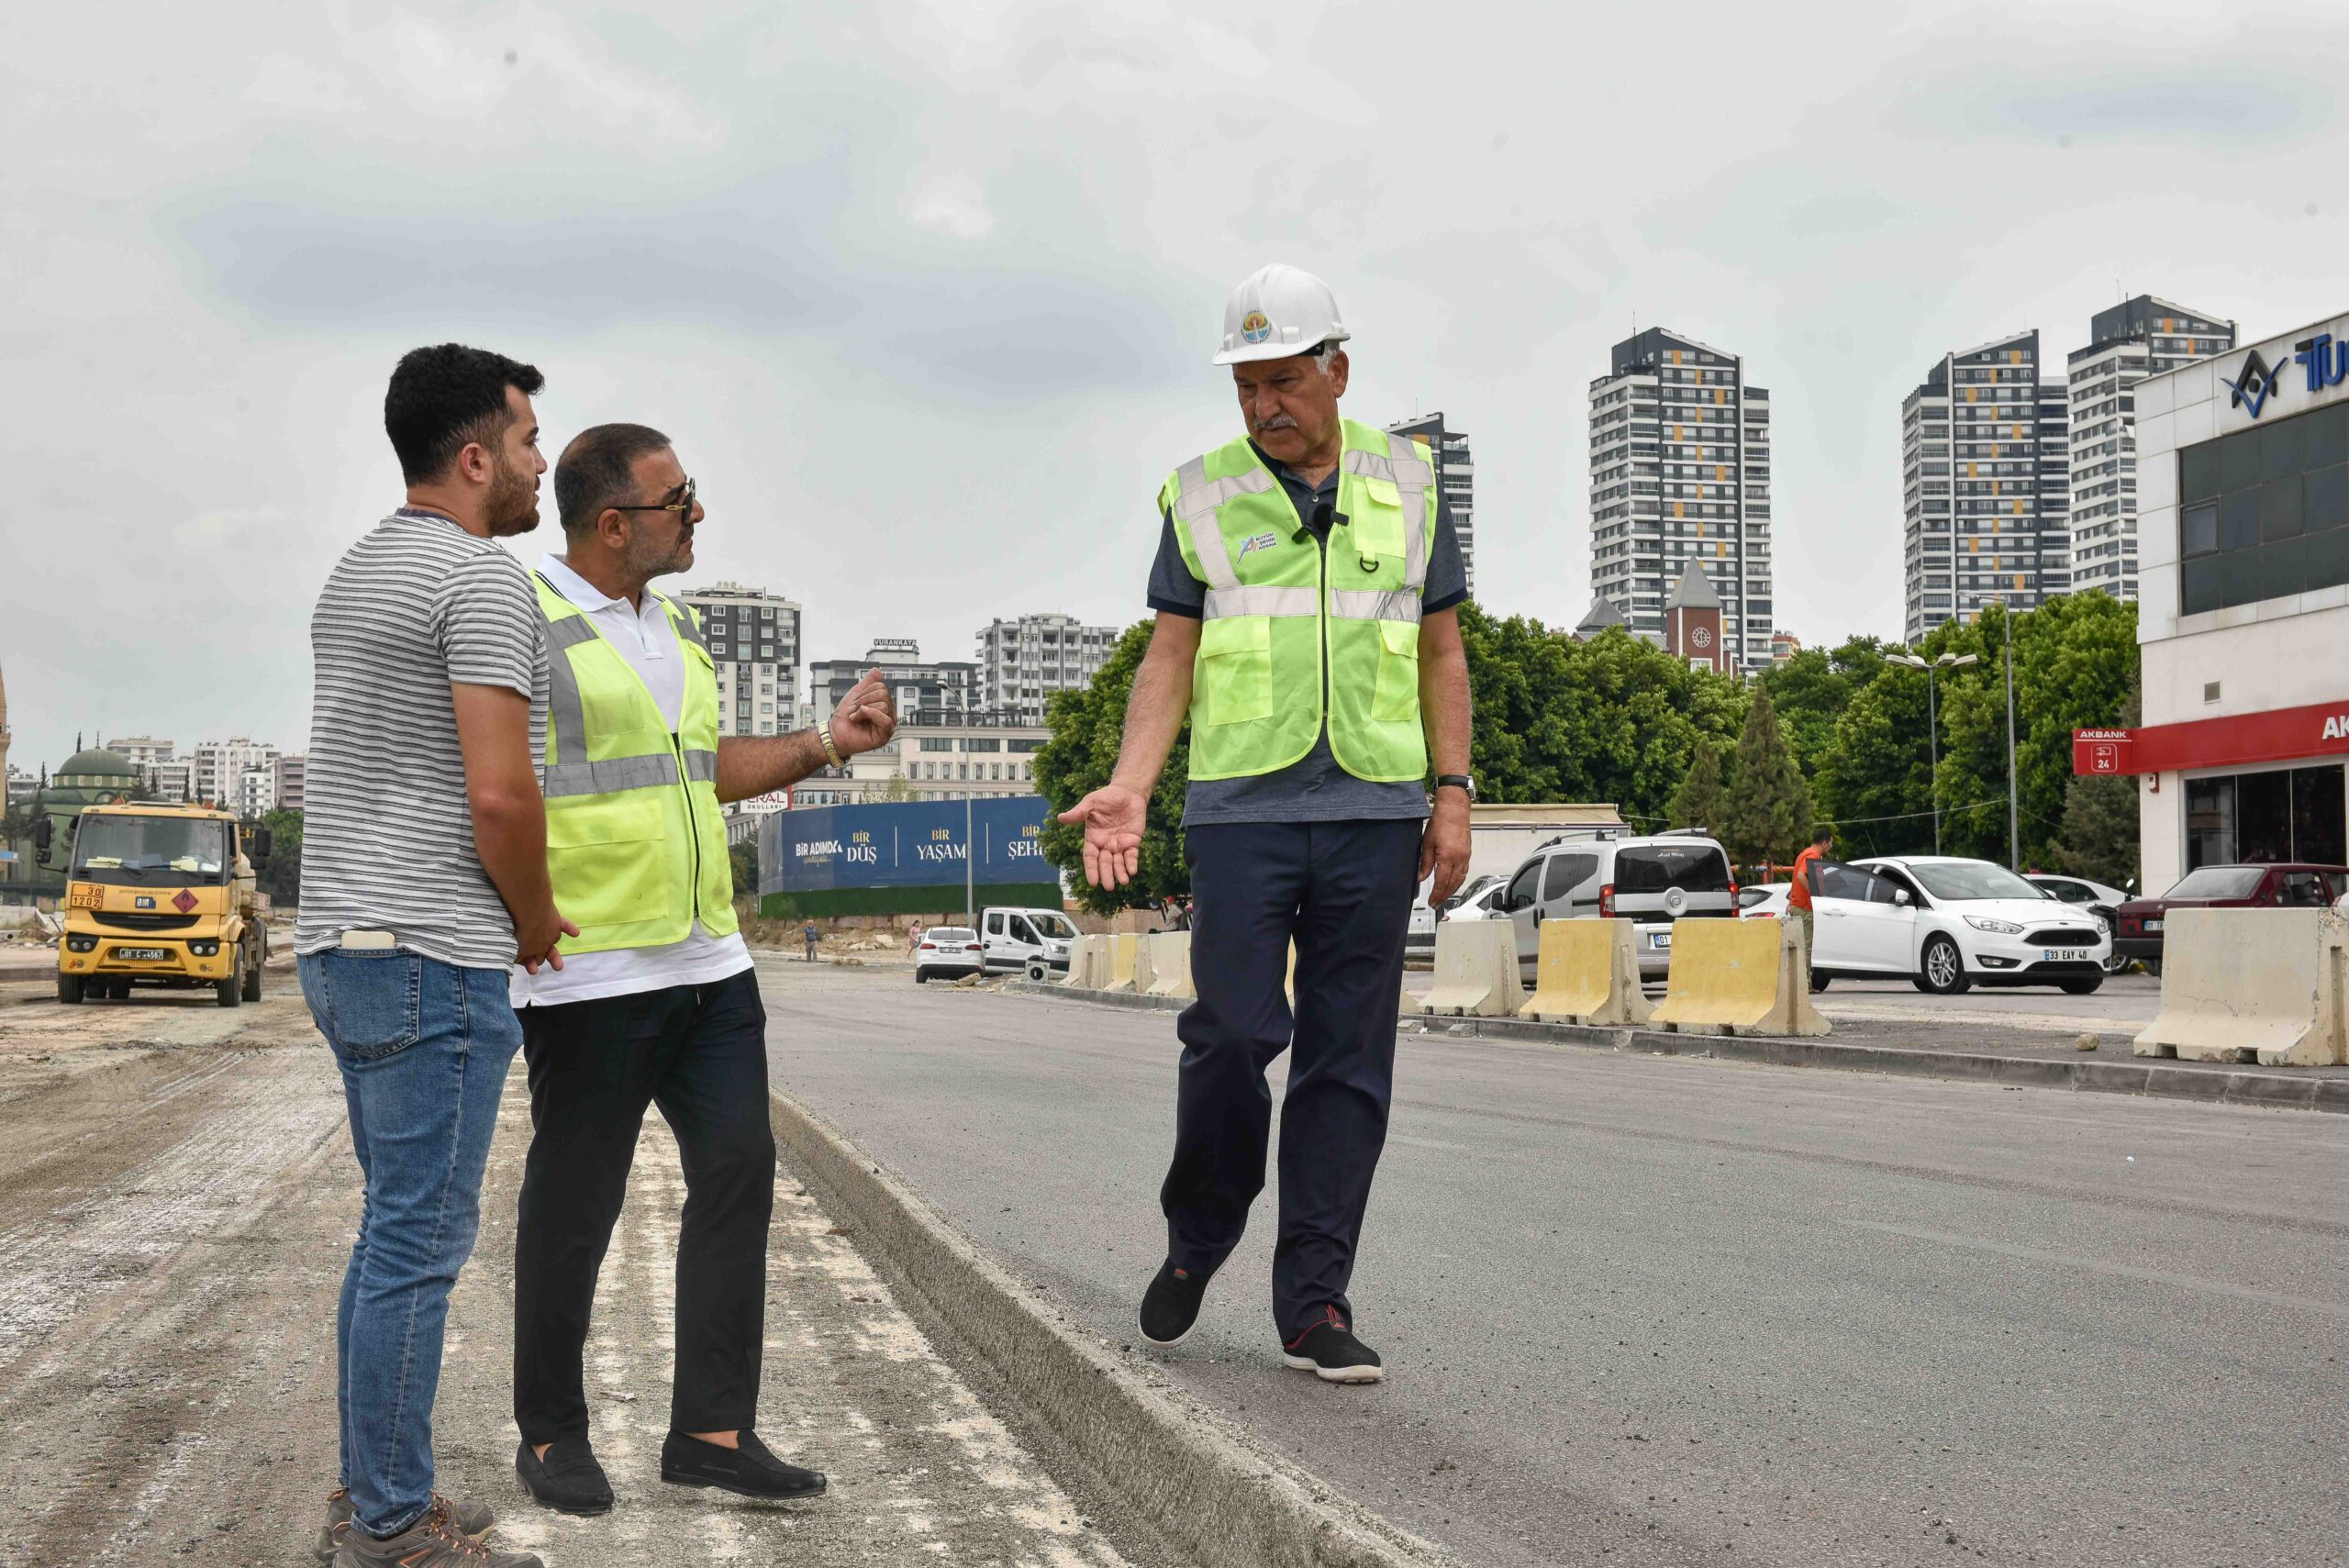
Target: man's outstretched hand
{"x":1113,"y":817}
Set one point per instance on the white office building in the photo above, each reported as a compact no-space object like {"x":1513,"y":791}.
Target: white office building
{"x":2137,"y":338}
{"x":221,"y":767}
{"x":2242,"y":490}
{"x":754,"y":642}
{"x":1985,"y":476}
{"x":1680,"y":475}
{"x":926,"y":692}
{"x":969,"y":756}
{"x":1022,"y":662}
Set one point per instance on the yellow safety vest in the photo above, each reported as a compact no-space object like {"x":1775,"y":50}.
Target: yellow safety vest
{"x":1276,"y":600}
{"x":635,"y":844}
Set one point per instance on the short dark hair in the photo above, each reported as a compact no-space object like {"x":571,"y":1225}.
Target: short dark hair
{"x":598,"y":468}
{"x":1822,"y":835}
{"x":444,"y":397}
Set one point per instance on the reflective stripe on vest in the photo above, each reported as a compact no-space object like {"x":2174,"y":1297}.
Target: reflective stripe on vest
{"x":1281,"y":607}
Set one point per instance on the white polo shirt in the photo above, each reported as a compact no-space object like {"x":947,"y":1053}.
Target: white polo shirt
{"x":649,"y":643}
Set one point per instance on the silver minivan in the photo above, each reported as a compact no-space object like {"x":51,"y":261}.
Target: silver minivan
{"x":1649,"y":880}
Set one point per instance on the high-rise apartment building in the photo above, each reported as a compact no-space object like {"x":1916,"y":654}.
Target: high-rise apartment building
{"x":1455,"y":477}
{"x":1680,"y":474}
{"x":221,"y":766}
{"x":2137,"y":338}
{"x":927,"y":692}
{"x":1022,"y":662}
{"x":1985,"y":474}
{"x":753,"y":638}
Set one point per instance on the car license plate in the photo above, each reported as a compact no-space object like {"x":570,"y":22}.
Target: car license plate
{"x":139,"y":955}
{"x":1660,"y":938}
{"x":2049,"y":955}
{"x":2152,"y":925}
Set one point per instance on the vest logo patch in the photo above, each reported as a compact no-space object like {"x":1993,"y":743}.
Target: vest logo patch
{"x":1261,"y":541}
{"x":1254,"y":328}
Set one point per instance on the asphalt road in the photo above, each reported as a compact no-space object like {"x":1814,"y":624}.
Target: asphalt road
{"x":1676,"y":1310}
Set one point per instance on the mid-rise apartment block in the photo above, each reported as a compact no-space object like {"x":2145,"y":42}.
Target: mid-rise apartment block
{"x":1455,"y":477}
{"x":971,"y":756}
{"x":1680,"y":475}
{"x":754,"y":642}
{"x":2137,"y":338}
{"x":927,"y":692}
{"x":1022,"y":662}
{"x":1985,"y":474}
{"x":293,"y":781}
{"x":221,"y":766}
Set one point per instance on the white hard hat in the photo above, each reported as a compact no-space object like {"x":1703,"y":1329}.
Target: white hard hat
{"x":1278,"y":312}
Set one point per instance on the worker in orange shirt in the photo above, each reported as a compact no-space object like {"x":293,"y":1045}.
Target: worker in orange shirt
{"x":1798,"y":896}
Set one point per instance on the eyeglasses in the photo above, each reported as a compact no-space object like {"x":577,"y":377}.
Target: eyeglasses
{"x":683,"y":506}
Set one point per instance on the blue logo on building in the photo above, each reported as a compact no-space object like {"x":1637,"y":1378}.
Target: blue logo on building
{"x":2325,"y":362}
{"x":2252,"y":384}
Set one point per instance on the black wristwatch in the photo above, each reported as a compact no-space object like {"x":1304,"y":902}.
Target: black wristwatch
{"x":1458,"y":781}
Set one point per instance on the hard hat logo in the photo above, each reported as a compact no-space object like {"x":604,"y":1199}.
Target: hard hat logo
{"x":1255,"y":328}
{"x":1302,"y":305}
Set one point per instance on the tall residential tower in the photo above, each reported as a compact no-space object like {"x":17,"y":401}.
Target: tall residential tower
{"x":1456,"y":478}
{"x":753,"y":638}
{"x":2135,"y":339}
{"x":1680,"y":475}
{"x":1022,"y":662}
{"x":1985,"y":474}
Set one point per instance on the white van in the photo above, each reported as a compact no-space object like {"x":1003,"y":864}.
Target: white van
{"x":1033,"y":942}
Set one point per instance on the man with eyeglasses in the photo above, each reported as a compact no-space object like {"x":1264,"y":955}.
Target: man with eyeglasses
{"x":656,"y":1003}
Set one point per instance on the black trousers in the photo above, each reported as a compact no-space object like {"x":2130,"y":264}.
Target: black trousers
{"x":1342,"y":890}
{"x":699,"y":1053}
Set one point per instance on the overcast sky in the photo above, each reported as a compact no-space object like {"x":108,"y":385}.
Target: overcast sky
{"x":927,"y":294}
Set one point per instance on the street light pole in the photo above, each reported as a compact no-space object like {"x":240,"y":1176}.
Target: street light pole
{"x":1932,"y":724}
{"x":2014,"y":834}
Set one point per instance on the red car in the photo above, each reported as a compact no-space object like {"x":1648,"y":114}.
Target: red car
{"x":2292,"y":885}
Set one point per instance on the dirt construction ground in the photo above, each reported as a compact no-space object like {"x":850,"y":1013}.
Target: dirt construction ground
{"x":177,"y":1194}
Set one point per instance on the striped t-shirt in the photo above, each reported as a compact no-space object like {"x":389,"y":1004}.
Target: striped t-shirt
{"x":387,"y":834}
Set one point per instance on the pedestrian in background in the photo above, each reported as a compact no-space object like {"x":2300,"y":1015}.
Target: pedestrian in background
{"x":1306,"y":588}
{"x":1806,"y":875}
{"x":807,"y":936}
{"x":424,"y":877}
{"x":657,"y":1003}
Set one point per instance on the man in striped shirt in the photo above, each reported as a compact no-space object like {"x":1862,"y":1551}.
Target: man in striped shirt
{"x":424,"y":877}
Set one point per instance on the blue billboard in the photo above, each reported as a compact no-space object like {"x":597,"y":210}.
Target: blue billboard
{"x":916,"y":847}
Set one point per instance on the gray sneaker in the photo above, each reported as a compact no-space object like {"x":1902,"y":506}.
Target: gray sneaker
{"x":433,"y":1541}
{"x":474,"y":1519}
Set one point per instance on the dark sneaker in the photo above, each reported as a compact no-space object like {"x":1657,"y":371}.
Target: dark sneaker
{"x":432,"y":1542}
{"x":1170,"y":1305}
{"x":568,"y":1480}
{"x":749,"y":1471}
{"x":1330,"y":1350}
{"x":474,"y":1519}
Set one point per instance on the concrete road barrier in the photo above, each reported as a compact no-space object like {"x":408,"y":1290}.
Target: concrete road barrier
{"x":1088,"y":962}
{"x":1167,"y":955}
{"x":1589,"y":974}
{"x":1739,"y":977}
{"x":2244,"y":985}
{"x":1119,"y":957}
{"x":1476,"y":970}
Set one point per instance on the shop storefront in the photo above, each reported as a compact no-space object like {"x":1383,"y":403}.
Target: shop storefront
{"x":2243,"y":473}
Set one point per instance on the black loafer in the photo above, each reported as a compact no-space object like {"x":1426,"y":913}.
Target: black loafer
{"x":749,"y":1471}
{"x":568,"y":1480}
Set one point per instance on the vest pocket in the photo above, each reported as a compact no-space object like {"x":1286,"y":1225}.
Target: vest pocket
{"x":1395,"y":698}
{"x":1235,"y":670}
{"x":601,"y":874}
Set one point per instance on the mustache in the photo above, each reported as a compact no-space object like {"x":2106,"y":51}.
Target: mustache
{"x":1277,"y":422}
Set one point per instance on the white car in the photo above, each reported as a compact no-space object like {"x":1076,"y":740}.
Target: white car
{"x":950,"y":951}
{"x":1763,"y":900}
{"x":2099,"y":899}
{"x":1948,"y":923}
{"x":1476,"y":894}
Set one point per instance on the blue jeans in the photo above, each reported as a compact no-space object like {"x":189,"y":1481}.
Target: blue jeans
{"x":423,"y":1047}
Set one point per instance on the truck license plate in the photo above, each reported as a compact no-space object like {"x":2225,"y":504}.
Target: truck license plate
{"x":139,"y":955}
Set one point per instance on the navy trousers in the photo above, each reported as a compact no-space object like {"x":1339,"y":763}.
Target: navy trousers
{"x":1342,"y":890}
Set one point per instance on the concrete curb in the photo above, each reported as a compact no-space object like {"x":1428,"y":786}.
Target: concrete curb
{"x":1201,"y":1487}
{"x":2147,"y":1075}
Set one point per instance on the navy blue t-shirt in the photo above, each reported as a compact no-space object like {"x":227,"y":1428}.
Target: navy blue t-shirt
{"x":1315,"y":788}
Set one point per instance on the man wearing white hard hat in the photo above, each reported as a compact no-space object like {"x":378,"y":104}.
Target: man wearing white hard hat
{"x":1307,"y":589}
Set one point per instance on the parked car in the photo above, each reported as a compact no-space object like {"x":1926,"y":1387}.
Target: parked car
{"x":1035,"y":941}
{"x":2138,"y":931}
{"x":950,"y":950}
{"x":1475,"y":891}
{"x":1652,"y":881}
{"x":1764,"y":901}
{"x":2103,"y":901}
{"x":1947,"y":923}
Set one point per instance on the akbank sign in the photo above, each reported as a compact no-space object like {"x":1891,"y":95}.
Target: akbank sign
{"x":2323,"y":361}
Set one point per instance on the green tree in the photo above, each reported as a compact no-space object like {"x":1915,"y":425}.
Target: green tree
{"x":1701,"y":799}
{"x":1875,"y":781}
{"x":743,"y":860}
{"x":2101,"y":820}
{"x":1087,"y":726}
{"x":1767,"y":816}
{"x":1811,"y":690}
{"x":282,"y":877}
{"x":897,"y":787}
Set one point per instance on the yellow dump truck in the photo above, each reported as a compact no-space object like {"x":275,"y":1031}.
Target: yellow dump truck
{"x":160,"y":895}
